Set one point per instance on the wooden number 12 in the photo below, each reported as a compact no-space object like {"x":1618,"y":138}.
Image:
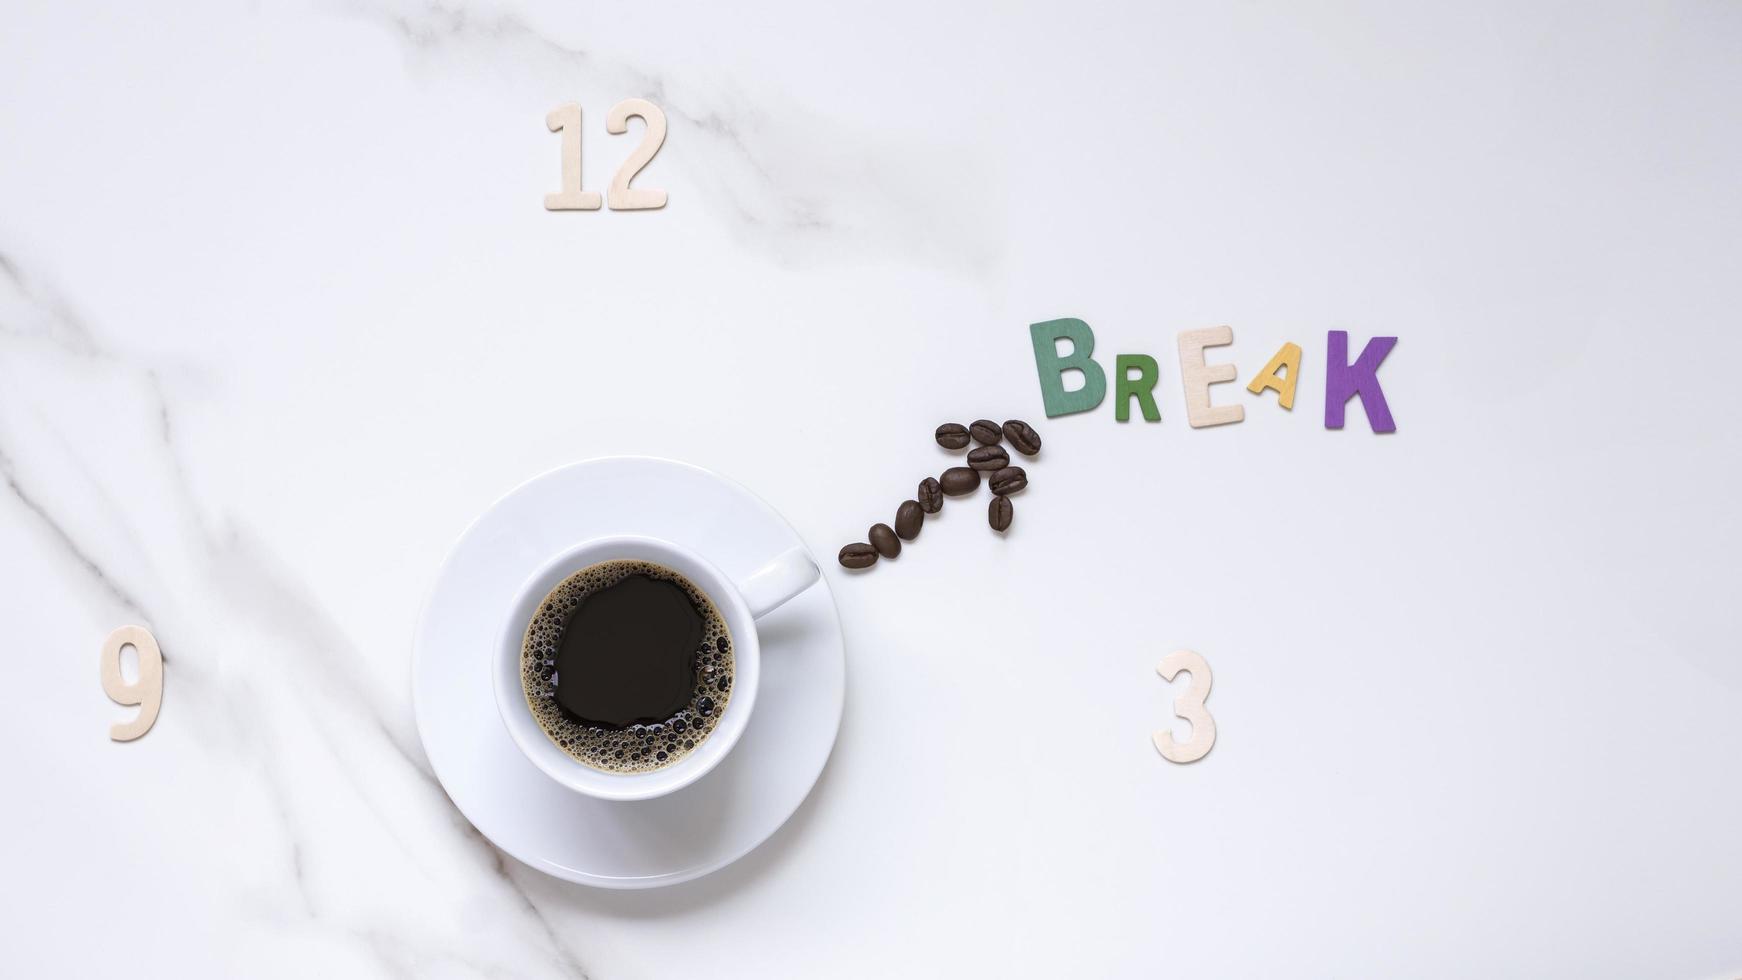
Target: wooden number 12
{"x":147,"y":692}
{"x":1189,"y":706}
{"x":566,"y":119}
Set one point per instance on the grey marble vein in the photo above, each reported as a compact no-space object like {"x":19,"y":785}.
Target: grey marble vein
{"x":35,"y":321}
{"x":28,"y":311}
{"x":777,"y":177}
{"x":68,"y":545}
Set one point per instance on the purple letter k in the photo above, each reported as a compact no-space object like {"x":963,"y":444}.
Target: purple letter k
{"x":1344,"y":380}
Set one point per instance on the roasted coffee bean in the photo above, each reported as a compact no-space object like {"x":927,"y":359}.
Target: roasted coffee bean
{"x":998,"y":515}
{"x":858,"y":555}
{"x":1010,"y":479}
{"x":958,"y":480}
{"x":908,"y":520}
{"x":952,"y":436}
{"x":931,"y":496}
{"x":1022,"y":437}
{"x":884,"y":540}
{"x":986,"y":432}
{"x":988,"y":458}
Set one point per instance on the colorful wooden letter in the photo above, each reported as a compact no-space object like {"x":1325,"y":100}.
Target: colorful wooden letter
{"x":1196,"y":377}
{"x":1288,"y":357}
{"x":1344,"y":380}
{"x":1052,"y":366}
{"x":1142,"y":387}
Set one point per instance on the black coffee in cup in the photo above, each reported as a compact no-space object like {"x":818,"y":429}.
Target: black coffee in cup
{"x":627,"y":666}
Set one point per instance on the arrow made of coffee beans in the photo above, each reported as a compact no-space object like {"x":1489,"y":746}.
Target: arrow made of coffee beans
{"x":988,"y":457}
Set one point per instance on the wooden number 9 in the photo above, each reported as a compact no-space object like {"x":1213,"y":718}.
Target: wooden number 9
{"x":1189,"y":706}
{"x":147,"y":692}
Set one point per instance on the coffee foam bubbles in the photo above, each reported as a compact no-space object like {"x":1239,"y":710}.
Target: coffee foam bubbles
{"x":638,"y":748}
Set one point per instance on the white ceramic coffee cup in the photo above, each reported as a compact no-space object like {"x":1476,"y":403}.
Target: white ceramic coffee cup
{"x":741,"y":603}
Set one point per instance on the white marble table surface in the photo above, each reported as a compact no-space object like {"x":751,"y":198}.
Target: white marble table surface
{"x":280,"y":313}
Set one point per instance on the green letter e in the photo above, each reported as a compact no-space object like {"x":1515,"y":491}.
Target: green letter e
{"x":1052,"y":367}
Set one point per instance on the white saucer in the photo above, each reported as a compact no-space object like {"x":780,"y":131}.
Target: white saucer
{"x":654,"y":842}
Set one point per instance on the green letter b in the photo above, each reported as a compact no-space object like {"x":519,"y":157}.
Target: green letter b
{"x":1052,"y":367}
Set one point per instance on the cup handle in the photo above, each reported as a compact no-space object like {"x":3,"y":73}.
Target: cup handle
{"x":770,"y":586}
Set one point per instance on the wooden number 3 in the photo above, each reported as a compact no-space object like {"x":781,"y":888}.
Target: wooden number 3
{"x":566,"y":119}
{"x":1189,"y":706}
{"x":147,"y":692}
